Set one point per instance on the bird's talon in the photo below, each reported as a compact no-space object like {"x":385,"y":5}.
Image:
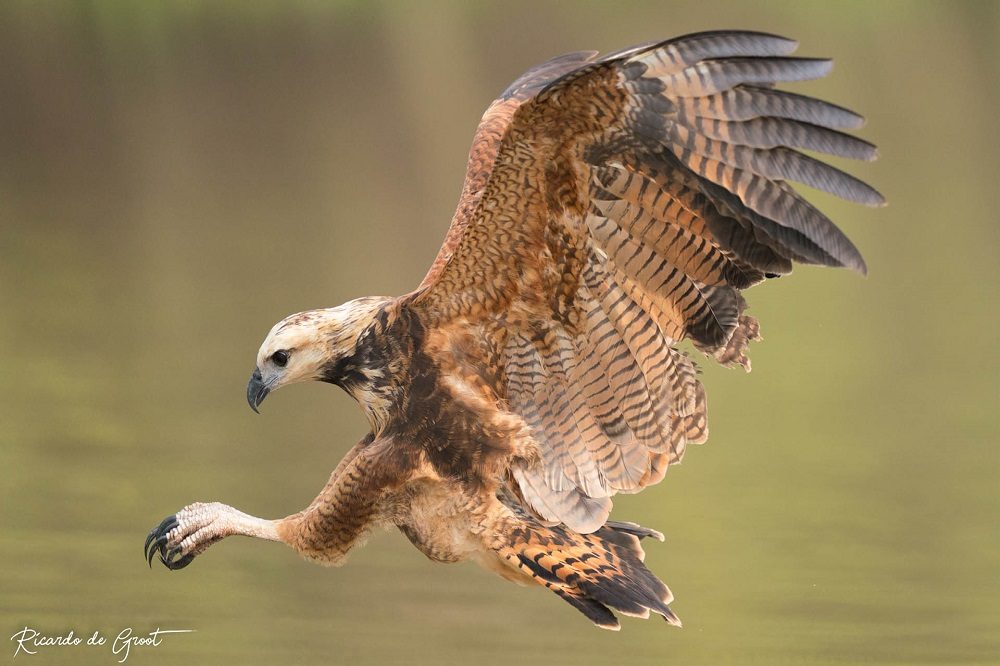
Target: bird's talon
{"x":181,"y":563}
{"x":158,"y":543}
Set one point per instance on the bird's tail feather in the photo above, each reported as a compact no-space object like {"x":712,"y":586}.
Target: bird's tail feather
{"x":595,"y":573}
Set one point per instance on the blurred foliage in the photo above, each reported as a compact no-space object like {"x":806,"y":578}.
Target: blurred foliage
{"x":176,"y":176}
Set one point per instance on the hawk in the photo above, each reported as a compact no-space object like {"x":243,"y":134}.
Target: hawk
{"x":613,"y":207}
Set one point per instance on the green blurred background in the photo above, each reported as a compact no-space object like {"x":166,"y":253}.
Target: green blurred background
{"x":175,"y":177}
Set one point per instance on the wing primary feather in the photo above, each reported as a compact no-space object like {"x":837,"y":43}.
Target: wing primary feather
{"x":713,"y":76}
{"x":675,"y":55}
{"x":778,"y":163}
{"x":775,"y":132}
{"x":748,"y":102}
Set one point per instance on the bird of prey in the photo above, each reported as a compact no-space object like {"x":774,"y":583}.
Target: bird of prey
{"x":613,"y":207}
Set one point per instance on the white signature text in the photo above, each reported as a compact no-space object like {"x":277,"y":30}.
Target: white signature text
{"x":32,"y":641}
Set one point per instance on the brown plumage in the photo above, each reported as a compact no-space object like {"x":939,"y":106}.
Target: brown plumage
{"x":612,"y":208}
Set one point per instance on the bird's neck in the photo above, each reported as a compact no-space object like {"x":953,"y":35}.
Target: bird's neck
{"x":372,"y":371}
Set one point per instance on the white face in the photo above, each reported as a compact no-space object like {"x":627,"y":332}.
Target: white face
{"x":299,"y":346}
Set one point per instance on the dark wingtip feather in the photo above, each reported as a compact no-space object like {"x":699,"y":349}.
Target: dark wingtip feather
{"x":877,"y":199}
{"x":595,"y":611}
{"x":634,"y":529}
{"x":786,"y":44}
{"x":672,"y":618}
{"x":851,"y":260}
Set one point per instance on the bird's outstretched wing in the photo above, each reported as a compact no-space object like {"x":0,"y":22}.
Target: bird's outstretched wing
{"x":616,"y":206}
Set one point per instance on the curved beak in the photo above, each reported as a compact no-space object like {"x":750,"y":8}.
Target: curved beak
{"x":257,"y":390}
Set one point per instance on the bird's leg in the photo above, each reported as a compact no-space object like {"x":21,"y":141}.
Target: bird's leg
{"x":323,"y":531}
{"x":190,"y":531}
{"x":350,"y":504}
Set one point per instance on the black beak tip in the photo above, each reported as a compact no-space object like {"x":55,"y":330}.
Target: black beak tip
{"x":257,"y":390}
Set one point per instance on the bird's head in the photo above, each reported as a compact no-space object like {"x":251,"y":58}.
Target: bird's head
{"x":311,"y":345}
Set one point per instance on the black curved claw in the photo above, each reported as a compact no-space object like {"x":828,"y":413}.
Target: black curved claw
{"x":158,"y":545}
{"x":174,"y":565}
{"x":157,"y":539}
{"x":168,"y":557}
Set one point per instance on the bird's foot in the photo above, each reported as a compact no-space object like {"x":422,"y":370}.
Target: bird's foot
{"x":182,"y":536}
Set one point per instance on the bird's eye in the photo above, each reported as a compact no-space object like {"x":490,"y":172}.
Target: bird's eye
{"x":280,"y":358}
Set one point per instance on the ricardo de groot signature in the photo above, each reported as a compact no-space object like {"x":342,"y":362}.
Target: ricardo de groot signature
{"x":31,"y":641}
